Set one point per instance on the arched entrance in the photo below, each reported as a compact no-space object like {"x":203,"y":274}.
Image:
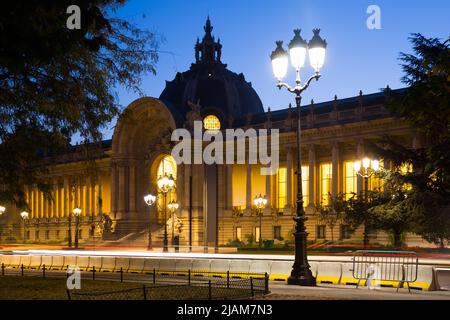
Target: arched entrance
{"x":165,"y":166}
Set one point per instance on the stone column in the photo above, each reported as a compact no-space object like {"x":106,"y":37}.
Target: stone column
{"x":335,"y":169}
{"x":248,"y":190}
{"x":312,"y":174}
{"x":99,"y":198}
{"x":121,"y":190}
{"x":55,"y":198}
{"x":59,"y":200}
{"x":34,"y":202}
{"x":87,"y":195}
{"x":187,"y":174}
{"x":229,"y":182}
{"x":132,"y":187}
{"x":289,"y":179}
{"x":66,"y":192}
{"x":113,"y":187}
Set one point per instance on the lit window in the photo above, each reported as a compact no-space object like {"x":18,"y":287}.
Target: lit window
{"x":238,"y":233}
{"x":281,"y":188}
{"x":257,"y":233}
{"x":375,"y":182}
{"x":326,"y":173}
{"x":305,"y":185}
{"x":211,"y":122}
{"x":349,"y":179}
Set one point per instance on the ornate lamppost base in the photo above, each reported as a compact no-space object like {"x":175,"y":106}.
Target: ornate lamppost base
{"x":305,"y":279}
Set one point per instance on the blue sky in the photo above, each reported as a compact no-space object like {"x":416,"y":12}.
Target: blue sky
{"x":357,"y":58}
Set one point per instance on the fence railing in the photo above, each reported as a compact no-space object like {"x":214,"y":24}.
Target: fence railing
{"x":203,"y":290}
{"x":398,"y":266}
{"x":162,"y":284}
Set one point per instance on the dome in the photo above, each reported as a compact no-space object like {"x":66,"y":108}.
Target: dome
{"x":209,"y":84}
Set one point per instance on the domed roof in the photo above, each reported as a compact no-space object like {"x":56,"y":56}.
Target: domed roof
{"x":211,"y":85}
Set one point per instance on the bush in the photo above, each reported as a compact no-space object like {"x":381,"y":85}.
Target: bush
{"x":234,"y":243}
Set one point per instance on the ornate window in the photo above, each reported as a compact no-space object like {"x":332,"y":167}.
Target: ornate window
{"x":350,"y":179}
{"x":305,"y":185}
{"x":211,"y":122}
{"x":325,"y":182}
{"x":281,"y":188}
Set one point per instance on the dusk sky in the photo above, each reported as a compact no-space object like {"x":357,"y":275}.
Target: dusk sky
{"x":357,"y":58}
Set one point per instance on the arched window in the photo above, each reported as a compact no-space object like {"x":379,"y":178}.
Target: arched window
{"x":168,"y":166}
{"x":211,"y":122}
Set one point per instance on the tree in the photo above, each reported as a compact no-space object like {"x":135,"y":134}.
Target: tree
{"x":56,"y":82}
{"x":425,"y":105}
{"x":393,"y":212}
{"x":357,"y":213}
{"x":331,"y":214}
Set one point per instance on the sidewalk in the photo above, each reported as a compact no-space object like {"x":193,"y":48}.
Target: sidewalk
{"x":342,"y":292}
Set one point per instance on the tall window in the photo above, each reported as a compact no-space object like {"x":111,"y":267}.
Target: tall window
{"x":321,"y":231}
{"x":350,"y":178}
{"x":277,"y":232}
{"x":376,"y":183}
{"x":238,"y":233}
{"x":305,"y":185}
{"x":326,"y":173}
{"x":281,"y":188}
{"x":257,"y":233}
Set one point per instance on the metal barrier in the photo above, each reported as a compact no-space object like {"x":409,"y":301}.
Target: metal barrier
{"x":387,"y":267}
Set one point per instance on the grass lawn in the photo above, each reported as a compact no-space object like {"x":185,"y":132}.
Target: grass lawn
{"x":30,"y":288}
{"x":34,"y":288}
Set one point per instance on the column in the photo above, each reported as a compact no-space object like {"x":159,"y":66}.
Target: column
{"x":99,"y":198}
{"x":66,"y":196}
{"x":113,"y":187}
{"x":335,"y":169}
{"x":187,"y":174}
{"x":312,"y":174}
{"x":75,"y":194}
{"x":121,"y":190}
{"x":60,"y":201}
{"x":248,"y":192}
{"x":289,"y":179}
{"x":132,"y":187}
{"x":87,"y":195}
{"x":33,"y":202}
{"x":55,"y":198}
{"x":229,"y":182}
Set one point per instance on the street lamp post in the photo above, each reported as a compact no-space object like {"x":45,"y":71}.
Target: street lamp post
{"x":260,"y":203}
{"x":298,"y":48}
{"x":24,"y":216}
{"x":366,"y":168}
{"x":76,"y":212}
{"x":149,"y":199}
{"x":173,"y":206}
{"x":165,"y":184}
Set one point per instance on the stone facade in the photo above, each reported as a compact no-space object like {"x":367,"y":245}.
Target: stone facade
{"x":215,"y":200}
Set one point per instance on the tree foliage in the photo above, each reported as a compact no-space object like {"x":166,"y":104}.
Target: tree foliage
{"x":425,"y":105}
{"x":331,"y":214}
{"x":56,"y":82}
